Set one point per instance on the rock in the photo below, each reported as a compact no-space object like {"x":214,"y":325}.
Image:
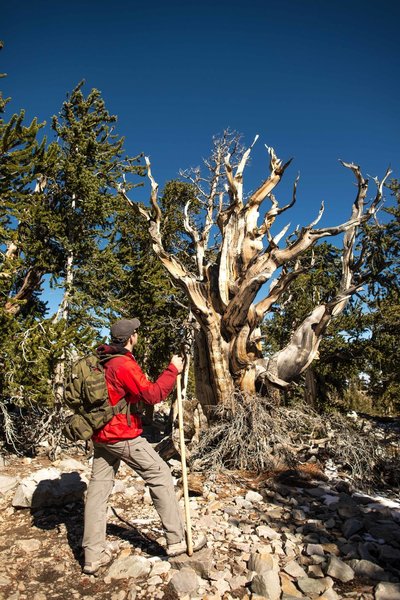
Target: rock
{"x":330,"y":595}
{"x":49,"y":487}
{"x":331,"y":549}
{"x":389,"y":554}
{"x":183,"y":582}
{"x":4,"y":581}
{"x":366,"y":568}
{"x":237,"y":582}
{"x":262,"y":564}
{"x":222,"y":586}
{"x":299,"y":515}
{"x":315,"y":571}
{"x":387,"y":591}
{"x":201,"y":562}
{"x":352,"y":526}
{"x":134,"y":567}
{"x":121,"y":595}
{"x":263,"y":531}
{"x":316,"y":492}
{"x":347,"y":507}
{"x":288,"y":587}
{"x":160,"y":568}
{"x":388,"y":532}
{"x":317,"y":549}
{"x":132,"y":592}
{"x":119,"y":487}
{"x":156,"y":580}
{"x":293,"y":569}
{"x":339,"y":570}
{"x":267,"y":584}
{"x":28,"y":545}
{"x":253,"y":496}
{"x":70,"y":464}
{"x":314,"y":586}
{"x":7,"y":483}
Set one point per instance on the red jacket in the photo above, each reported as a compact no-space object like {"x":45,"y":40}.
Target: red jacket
{"x":126,"y":379}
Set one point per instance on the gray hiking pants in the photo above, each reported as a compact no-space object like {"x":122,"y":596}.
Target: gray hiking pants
{"x":138,"y":454}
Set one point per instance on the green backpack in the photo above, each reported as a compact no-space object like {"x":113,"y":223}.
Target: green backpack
{"x":86,"y":394}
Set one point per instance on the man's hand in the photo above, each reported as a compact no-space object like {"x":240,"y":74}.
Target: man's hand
{"x":177,"y":361}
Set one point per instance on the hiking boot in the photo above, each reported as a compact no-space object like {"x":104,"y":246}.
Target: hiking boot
{"x":181,"y":547}
{"x":91,"y":568}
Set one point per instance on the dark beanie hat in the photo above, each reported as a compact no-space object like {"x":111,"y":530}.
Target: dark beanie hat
{"x":124,"y":328}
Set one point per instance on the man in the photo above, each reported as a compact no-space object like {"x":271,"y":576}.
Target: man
{"x":120,"y":439}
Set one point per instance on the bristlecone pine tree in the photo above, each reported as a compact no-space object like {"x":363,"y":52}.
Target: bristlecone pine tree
{"x":223,"y":286}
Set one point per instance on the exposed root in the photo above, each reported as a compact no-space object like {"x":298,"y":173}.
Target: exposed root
{"x":259,"y":436}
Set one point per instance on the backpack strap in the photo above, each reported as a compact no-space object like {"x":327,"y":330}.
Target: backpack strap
{"x":120,"y":407}
{"x":122,"y":404}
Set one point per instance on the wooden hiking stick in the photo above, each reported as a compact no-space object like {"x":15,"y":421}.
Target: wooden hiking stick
{"x":183,"y":462}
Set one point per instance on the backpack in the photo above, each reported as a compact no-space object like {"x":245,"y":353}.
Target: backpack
{"x":87,"y":395}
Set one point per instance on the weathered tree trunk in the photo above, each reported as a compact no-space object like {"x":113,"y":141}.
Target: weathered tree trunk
{"x":63,"y":313}
{"x":223,"y":294}
{"x":30,"y":284}
{"x":32,"y":279}
{"x":310,"y":388}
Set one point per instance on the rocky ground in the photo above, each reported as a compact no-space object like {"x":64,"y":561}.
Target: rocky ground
{"x":296,"y":535}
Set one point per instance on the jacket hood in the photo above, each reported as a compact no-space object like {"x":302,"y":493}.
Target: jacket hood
{"x":107,"y":351}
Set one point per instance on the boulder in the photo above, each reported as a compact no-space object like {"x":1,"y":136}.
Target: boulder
{"x":49,"y":487}
{"x":7,"y":483}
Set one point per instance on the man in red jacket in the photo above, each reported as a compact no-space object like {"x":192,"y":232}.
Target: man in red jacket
{"x":120,"y":439}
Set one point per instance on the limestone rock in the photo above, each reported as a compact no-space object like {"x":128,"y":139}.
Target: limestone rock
{"x":339,"y":570}
{"x":267,"y":584}
{"x":264,"y":531}
{"x":135,"y":567}
{"x":160,"y":568}
{"x":294,"y":569}
{"x":261,"y":563}
{"x":288,"y":587}
{"x":315,"y":549}
{"x":314,"y":586}
{"x":253,"y":496}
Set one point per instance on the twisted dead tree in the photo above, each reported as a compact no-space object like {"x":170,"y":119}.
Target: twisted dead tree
{"x":223,"y":286}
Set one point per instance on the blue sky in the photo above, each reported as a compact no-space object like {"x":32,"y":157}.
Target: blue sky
{"x":318,"y":80}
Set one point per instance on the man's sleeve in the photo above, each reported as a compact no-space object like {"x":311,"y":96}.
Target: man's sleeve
{"x":135,"y":381}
